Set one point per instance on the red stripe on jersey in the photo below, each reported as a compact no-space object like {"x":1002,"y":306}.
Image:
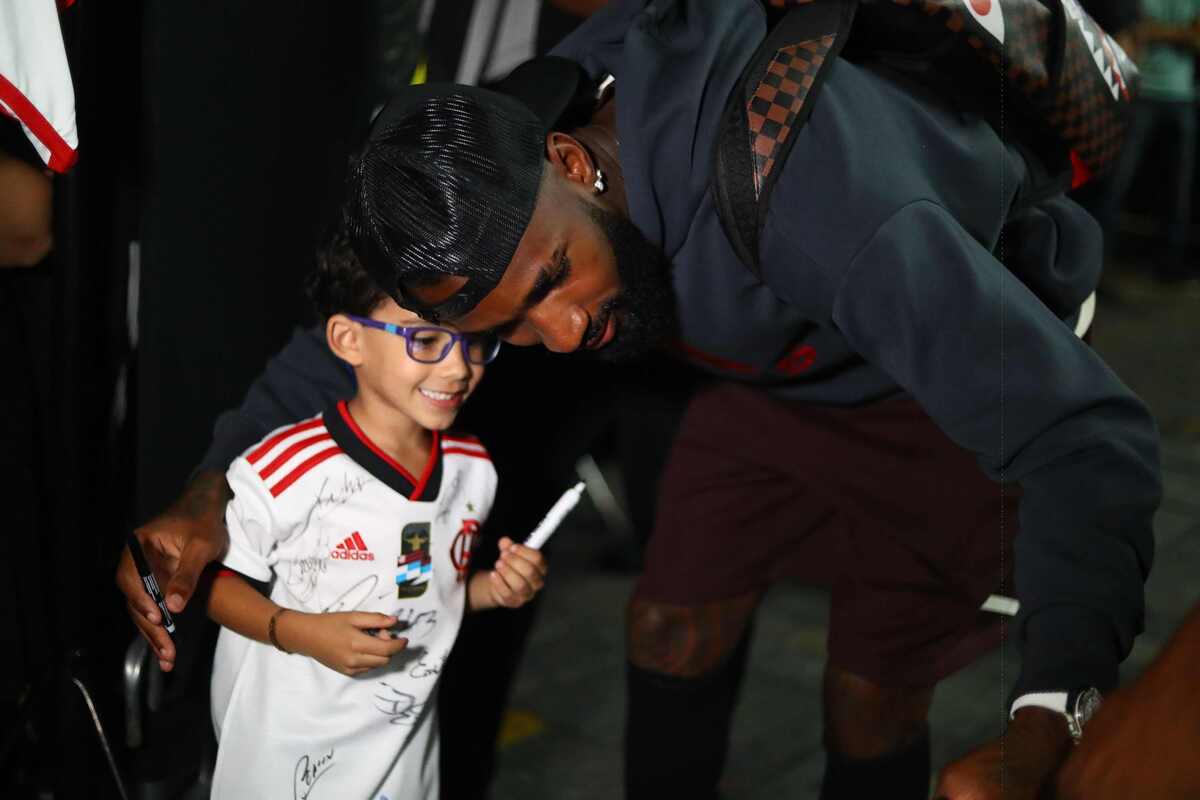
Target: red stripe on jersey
{"x":304,"y":467}
{"x":429,"y":462}
{"x":463,"y":439}
{"x":358,"y":540}
{"x":291,"y":451}
{"x":420,"y":555}
{"x":61,"y":154}
{"x":269,"y":444}
{"x":475,"y":453}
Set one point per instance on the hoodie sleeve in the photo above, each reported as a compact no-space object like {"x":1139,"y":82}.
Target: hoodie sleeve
{"x":301,"y":380}
{"x":1003,"y":377}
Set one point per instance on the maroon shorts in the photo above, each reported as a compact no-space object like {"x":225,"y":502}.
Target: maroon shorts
{"x":875,"y":503}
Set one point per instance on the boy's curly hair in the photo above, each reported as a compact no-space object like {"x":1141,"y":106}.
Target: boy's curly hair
{"x":340,"y":284}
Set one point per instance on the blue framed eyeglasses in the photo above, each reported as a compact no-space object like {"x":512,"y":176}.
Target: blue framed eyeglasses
{"x":429,"y":345}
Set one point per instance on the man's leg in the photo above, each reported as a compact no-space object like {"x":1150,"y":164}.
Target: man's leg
{"x":685,"y":669}
{"x":874,"y":501}
{"x":729,"y":515}
{"x":876,"y":738}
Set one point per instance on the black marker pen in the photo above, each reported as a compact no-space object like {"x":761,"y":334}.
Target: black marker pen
{"x":148,"y":581}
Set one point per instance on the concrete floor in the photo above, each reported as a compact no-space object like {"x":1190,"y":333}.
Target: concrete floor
{"x":562,"y":738}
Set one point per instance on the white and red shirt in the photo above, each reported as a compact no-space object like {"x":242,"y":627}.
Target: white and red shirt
{"x":35,"y":80}
{"x":335,"y":524}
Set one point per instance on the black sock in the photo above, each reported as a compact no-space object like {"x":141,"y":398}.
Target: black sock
{"x":677,"y":730}
{"x":900,"y":775}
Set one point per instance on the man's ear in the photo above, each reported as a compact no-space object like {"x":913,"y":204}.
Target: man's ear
{"x":570,"y":157}
{"x":344,"y":337}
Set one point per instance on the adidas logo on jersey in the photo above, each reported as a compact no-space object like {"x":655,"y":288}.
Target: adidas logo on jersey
{"x":353,"y":549}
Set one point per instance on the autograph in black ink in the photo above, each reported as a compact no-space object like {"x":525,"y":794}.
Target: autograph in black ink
{"x":451,"y":495}
{"x":401,"y":708}
{"x":308,"y":771}
{"x":305,"y":573}
{"x":351,"y":485}
{"x":355,"y":596}
{"x":427,"y":668}
{"x":414,"y":624}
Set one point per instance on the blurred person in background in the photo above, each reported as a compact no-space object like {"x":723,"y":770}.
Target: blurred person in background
{"x":1164,"y":42}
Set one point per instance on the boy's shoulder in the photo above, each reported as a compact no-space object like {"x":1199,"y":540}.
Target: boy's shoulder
{"x":456,"y":442}
{"x":285,"y":455}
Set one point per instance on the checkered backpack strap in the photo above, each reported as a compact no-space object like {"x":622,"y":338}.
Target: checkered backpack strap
{"x":768,"y":105}
{"x":1042,"y":72}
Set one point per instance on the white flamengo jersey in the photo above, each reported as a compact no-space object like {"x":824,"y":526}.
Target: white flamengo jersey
{"x":335,"y":524}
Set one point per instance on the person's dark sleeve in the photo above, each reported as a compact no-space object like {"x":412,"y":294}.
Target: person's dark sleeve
{"x":301,"y":380}
{"x":1006,"y":379}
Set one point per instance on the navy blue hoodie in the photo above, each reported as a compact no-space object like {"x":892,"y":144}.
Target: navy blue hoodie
{"x":889,"y":265}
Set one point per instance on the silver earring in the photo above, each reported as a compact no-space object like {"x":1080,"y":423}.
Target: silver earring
{"x":598,"y":184}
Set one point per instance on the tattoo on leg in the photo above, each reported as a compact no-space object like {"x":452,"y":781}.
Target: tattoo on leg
{"x":687,"y":641}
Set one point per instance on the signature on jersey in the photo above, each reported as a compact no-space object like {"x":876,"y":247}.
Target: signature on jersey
{"x":427,"y":666}
{"x":443,"y":511}
{"x":401,"y":708}
{"x":308,"y":771}
{"x":353,"y":598}
{"x":415,"y":624}
{"x":304,"y":574}
{"x":332,"y":497}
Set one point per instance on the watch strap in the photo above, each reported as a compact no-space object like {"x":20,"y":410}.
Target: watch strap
{"x":1054,"y":701}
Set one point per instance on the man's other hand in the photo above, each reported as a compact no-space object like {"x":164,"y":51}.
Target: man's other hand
{"x":1143,"y":741}
{"x":179,"y":544}
{"x":26,"y":213}
{"x":1014,"y":767}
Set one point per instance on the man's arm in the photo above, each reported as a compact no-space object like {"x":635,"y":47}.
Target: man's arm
{"x":301,"y":380}
{"x":1005,"y":378}
{"x":26,"y":206}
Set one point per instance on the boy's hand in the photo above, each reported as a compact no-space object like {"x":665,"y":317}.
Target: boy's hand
{"x":340,"y":641}
{"x":520,"y":573}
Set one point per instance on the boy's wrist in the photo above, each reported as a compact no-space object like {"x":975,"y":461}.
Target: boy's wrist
{"x":479,"y":592}
{"x":289,"y":630}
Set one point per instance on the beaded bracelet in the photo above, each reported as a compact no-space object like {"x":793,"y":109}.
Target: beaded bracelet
{"x":271,"y":631}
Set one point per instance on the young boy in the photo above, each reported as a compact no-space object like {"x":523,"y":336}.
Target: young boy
{"x":362,"y":520}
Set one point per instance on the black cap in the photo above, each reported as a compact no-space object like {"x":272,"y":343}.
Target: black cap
{"x":449,"y":176}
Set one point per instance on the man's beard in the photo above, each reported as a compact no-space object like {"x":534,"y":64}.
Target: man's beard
{"x":646,"y":313}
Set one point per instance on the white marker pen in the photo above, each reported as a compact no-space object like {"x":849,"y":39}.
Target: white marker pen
{"x":541,"y":534}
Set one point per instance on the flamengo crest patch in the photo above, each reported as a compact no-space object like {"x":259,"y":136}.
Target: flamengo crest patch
{"x":460,"y":548}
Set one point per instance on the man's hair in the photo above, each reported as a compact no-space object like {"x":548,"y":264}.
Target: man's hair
{"x":340,"y":284}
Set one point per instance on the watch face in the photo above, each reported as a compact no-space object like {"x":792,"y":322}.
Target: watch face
{"x":1087,"y":705}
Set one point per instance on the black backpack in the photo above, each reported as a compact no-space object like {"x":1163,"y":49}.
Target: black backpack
{"x":1063,"y":83}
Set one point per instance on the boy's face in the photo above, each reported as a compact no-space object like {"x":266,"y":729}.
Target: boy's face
{"x":429,"y":394}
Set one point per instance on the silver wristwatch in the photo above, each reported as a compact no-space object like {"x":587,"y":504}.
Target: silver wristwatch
{"x":1082,"y":705}
{"x":1078,"y":706}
